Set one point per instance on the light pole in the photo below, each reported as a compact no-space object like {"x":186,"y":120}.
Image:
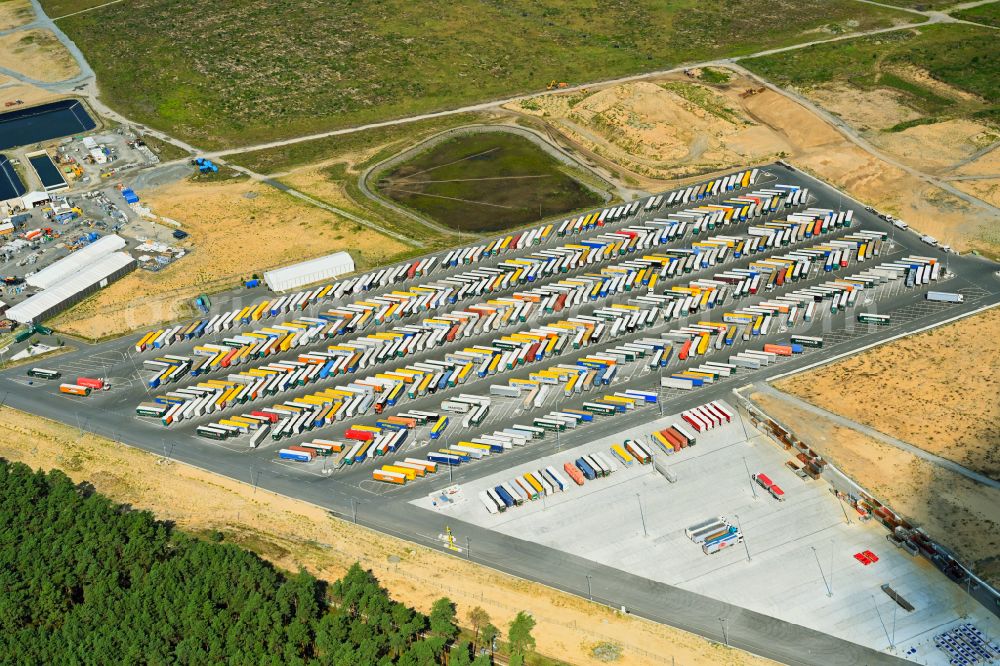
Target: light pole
{"x":354,"y":510}
{"x":725,"y":631}
{"x":829,"y":590}
{"x":590,"y":589}
{"x":468,"y":548}
{"x":739,"y":526}
{"x":642,"y":516}
{"x":887,"y":637}
{"x":753,"y":486}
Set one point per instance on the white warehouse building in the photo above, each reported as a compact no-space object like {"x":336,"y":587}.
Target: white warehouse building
{"x":76,"y":262}
{"x":73,"y":288}
{"x":308,"y":272}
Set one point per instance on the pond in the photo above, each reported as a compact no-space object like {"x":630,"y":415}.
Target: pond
{"x":487,"y":181}
{"x":42,"y":123}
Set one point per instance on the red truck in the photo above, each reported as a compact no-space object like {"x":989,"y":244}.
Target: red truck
{"x":95,"y":384}
{"x":770,"y":486}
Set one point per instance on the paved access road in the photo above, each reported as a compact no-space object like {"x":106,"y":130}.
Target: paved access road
{"x":352,"y":494}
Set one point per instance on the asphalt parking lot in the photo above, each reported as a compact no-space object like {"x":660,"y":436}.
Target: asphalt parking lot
{"x":691,"y":600}
{"x":796,"y":562}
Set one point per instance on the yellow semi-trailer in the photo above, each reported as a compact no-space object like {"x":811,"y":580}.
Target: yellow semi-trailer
{"x":409,"y":473}
{"x":389,"y":476}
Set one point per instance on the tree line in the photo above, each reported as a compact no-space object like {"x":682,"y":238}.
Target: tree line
{"x":84,"y":580}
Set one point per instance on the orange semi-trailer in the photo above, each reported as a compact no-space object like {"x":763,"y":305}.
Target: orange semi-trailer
{"x":74,"y":389}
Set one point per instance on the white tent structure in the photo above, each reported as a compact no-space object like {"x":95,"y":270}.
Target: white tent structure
{"x":73,"y":288}
{"x":308,"y":272}
{"x":76,"y":262}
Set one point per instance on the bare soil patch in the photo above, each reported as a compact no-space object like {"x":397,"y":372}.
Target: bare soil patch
{"x":937,"y":146}
{"x":38,"y":54}
{"x":295,"y":534}
{"x":660,"y":130}
{"x":936,"y":390}
{"x":952,"y":509}
{"x":988,"y":190}
{"x":875,"y":109}
{"x":655,"y":136}
{"x":14,"y":13}
{"x":25,"y":92}
{"x":231,"y":237}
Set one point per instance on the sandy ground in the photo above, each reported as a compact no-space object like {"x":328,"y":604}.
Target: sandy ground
{"x":655,"y":131}
{"x":38,"y":54}
{"x":864,"y":109}
{"x":952,"y":509}
{"x":935,"y":148}
{"x":962,"y":374}
{"x":988,"y":164}
{"x":236,"y":229}
{"x":822,"y":151}
{"x":653,"y":136}
{"x":11,"y":90}
{"x":988,"y":190}
{"x":14,"y":13}
{"x":293,"y":534}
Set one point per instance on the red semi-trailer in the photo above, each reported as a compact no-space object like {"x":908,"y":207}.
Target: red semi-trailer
{"x":95,"y":384}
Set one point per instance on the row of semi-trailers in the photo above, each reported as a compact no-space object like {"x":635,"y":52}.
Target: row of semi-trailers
{"x":547,"y":481}
{"x":348,"y":408}
{"x":387,"y":277}
{"x":449,"y":374}
{"x":305,"y":330}
{"x":281,"y":337}
{"x":378,"y":347}
{"x":789,"y":310}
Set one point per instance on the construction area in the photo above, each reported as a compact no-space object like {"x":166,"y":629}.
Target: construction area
{"x":586,"y":367}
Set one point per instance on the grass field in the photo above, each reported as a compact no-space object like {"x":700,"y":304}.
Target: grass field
{"x":384,"y":139}
{"x":223,"y":74}
{"x":486,"y":182}
{"x":921,"y":5}
{"x":964,"y":57}
{"x":985,"y":14}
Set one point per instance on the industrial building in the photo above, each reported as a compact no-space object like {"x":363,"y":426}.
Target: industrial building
{"x":73,"y":278}
{"x":308,"y":272}
{"x":75,"y":262}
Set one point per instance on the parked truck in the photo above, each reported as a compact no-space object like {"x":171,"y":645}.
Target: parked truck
{"x":944,"y":297}
{"x":95,"y":384}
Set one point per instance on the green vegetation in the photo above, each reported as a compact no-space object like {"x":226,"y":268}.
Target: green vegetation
{"x":961,"y":56}
{"x":921,"y":5}
{"x":485,"y":181}
{"x":167,"y":152}
{"x":985,"y":14}
{"x":705,"y":99}
{"x":229,"y":73}
{"x":58,"y":8}
{"x":714,"y":75}
{"x":86,"y":581}
{"x":907,"y":124}
{"x":390,"y":139}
